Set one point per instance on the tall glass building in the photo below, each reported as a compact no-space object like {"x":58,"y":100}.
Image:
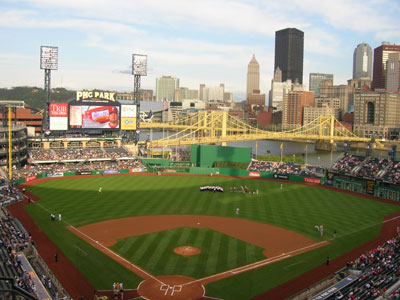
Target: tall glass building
{"x":289,"y":54}
{"x":315,"y":80}
{"x":362,"y":62}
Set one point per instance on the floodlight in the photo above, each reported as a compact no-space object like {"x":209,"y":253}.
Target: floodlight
{"x":49,"y":58}
{"x":139,"y":64}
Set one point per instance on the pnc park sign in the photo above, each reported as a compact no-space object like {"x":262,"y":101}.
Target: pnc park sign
{"x":93,"y":95}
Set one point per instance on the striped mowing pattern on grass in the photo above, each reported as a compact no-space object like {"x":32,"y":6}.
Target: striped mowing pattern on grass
{"x":219,"y":252}
{"x":295,"y":207}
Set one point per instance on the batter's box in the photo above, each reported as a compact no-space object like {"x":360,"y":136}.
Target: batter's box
{"x":165,"y":288}
{"x":176,"y":288}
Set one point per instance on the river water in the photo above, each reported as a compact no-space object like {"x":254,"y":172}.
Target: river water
{"x":269,"y":147}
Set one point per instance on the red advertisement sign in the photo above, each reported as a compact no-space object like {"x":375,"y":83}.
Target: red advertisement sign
{"x":58,"y":110}
{"x":312,"y":180}
{"x":169,"y":171}
{"x":30,"y":178}
{"x":254,"y":174}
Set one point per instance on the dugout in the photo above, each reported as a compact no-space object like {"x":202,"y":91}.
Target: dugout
{"x":207,"y":156}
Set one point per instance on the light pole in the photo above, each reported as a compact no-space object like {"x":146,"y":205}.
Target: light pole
{"x":306,"y":153}
{"x":48,"y":62}
{"x":256,"y":149}
{"x":139,"y":68}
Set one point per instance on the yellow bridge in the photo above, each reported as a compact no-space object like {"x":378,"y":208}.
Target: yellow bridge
{"x":211,"y":127}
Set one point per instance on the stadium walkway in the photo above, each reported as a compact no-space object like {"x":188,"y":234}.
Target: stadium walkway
{"x":40,"y":289}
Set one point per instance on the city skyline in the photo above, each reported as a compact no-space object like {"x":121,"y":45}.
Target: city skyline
{"x":195,"y":42}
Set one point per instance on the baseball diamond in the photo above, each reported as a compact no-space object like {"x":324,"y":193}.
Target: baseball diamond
{"x":128,"y":233}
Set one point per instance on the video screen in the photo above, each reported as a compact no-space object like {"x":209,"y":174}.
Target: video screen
{"x":94,"y":117}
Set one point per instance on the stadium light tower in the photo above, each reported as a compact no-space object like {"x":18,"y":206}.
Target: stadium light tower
{"x":139,"y":68}
{"x":48,"y":62}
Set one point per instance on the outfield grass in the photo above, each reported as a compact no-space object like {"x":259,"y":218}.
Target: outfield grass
{"x":295,"y":207}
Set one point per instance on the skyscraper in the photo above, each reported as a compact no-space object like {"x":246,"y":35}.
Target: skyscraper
{"x":278,"y":90}
{"x":253,"y":77}
{"x":393,"y":73}
{"x":381,"y":55}
{"x":289,"y":53}
{"x":362,"y":61}
{"x":165,"y":88}
{"x":315,"y":80}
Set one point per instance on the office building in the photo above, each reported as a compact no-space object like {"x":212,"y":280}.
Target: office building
{"x":185,"y":93}
{"x":360,"y":84}
{"x":315,"y":80}
{"x":278,"y":89}
{"x":289,"y":53}
{"x":214,"y":94}
{"x":377,"y":114}
{"x":294,"y":103}
{"x":362,"y":61}
{"x":393,"y":73}
{"x":228,"y":97}
{"x":165,"y":88}
{"x":381,"y":56}
{"x":310,"y":113}
{"x":253,"y":77}
{"x":256,"y":99}
{"x":343,"y":92}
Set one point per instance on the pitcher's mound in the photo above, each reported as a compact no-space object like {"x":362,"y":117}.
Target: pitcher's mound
{"x":172,"y":287}
{"x":187,"y":251}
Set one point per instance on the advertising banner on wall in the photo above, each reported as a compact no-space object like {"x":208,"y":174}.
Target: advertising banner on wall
{"x":30,"y":178}
{"x":136,"y":170}
{"x":108,"y":172}
{"x":58,"y":113}
{"x":128,"y":117}
{"x":84,"y":172}
{"x":281,"y":176}
{"x":312,"y":180}
{"x":254,"y":174}
{"x":58,"y":123}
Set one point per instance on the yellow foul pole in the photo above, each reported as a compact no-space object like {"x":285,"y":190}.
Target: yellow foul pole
{"x":9,"y":145}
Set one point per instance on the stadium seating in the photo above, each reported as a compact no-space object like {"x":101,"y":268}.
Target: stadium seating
{"x":14,"y":240}
{"x":377,"y":272}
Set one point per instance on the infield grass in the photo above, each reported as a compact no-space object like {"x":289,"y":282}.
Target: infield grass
{"x":295,"y":207}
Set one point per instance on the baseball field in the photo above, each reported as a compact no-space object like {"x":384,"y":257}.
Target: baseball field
{"x":156,"y":233}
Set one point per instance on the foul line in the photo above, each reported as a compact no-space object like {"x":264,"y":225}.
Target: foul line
{"x":295,"y":264}
{"x":233,"y":271}
{"x":117,"y":255}
{"x":256,"y":264}
{"x":365,"y":228}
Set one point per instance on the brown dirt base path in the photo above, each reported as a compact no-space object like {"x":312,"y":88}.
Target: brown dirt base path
{"x":278,"y":243}
{"x":273,"y":239}
{"x":77,"y":285}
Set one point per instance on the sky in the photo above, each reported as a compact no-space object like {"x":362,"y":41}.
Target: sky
{"x":208,"y":41}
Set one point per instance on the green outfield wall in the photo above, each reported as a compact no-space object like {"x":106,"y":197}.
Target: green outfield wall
{"x":206,"y":156}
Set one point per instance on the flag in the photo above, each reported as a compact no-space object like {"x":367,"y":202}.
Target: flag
{"x":149,"y":115}
{"x":165,"y":104}
{"x":281,"y":146}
